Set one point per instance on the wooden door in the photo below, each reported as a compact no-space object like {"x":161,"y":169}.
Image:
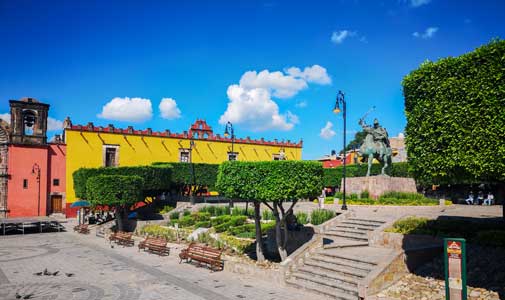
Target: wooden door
{"x":56,"y":205}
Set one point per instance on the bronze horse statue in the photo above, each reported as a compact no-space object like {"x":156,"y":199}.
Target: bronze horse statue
{"x":376,"y":145}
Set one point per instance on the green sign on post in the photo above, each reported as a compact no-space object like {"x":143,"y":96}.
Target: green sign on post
{"x":455,"y":268}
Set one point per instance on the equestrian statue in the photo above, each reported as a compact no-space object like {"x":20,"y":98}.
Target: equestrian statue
{"x":376,"y":145}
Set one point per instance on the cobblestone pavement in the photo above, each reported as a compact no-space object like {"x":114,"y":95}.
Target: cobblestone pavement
{"x":413,"y":287}
{"x":88,"y":268}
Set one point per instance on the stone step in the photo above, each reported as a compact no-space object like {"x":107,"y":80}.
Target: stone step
{"x":347,"y":230}
{"x":349,"y":281}
{"x":319,"y":289}
{"x":318,"y":284}
{"x":356,"y":227}
{"x":344,"y":243}
{"x":353,"y":261}
{"x":344,"y":269}
{"x":351,"y":236}
{"x":377,"y":222}
{"x":361,"y":224}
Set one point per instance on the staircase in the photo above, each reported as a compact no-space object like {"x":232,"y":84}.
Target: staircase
{"x":336,"y":269}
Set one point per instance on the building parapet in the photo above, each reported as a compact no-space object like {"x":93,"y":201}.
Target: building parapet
{"x":198,"y":131}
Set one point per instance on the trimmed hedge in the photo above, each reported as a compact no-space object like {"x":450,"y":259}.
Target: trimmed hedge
{"x":155,"y":178}
{"x":333,"y":176}
{"x":270,"y":181}
{"x":455,"y":120}
{"x":204,"y":174}
{"x":114,"y":190}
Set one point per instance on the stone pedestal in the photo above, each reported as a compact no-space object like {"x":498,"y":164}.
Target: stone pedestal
{"x":378,"y":185}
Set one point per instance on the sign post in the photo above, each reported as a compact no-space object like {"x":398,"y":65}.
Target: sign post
{"x":455,"y":269}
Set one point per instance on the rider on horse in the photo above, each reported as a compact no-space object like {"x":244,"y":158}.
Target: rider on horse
{"x":379,"y":134}
{"x":376,"y":145}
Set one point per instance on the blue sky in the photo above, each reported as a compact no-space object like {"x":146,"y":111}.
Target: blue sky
{"x":273,"y":68}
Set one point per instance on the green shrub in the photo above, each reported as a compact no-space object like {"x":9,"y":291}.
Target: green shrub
{"x":353,"y":196}
{"x":238,"y":211}
{"x":302,"y":218}
{"x":166,"y":209}
{"x":201,"y":216}
{"x":174,"y":215}
{"x":221,"y":227}
{"x":411,"y":225}
{"x":202,"y":224}
{"x":184,"y":221}
{"x":204,"y":238}
{"x":403,"y":195}
{"x":267,"y":215}
{"x":339,"y":195}
{"x":236,"y":230}
{"x":237,"y":220}
{"x":333,"y":176}
{"x":319,"y":216}
{"x":158,"y":231}
{"x":365,"y":194}
{"x":186,"y":213}
{"x":216,"y":210}
{"x":266,"y":226}
{"x":220,"y":220}
{"x":362,"y":201}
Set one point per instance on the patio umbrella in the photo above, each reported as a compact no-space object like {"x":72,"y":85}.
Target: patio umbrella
{"x":81,"y":203}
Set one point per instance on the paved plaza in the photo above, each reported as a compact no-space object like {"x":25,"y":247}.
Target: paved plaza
{"x":88,"y":268}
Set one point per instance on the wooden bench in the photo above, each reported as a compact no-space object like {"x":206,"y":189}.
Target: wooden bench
{"x":203,"y":254}
{"x":122,"y":238}
{"x":82,"y":228}
{"x":156,"y":245}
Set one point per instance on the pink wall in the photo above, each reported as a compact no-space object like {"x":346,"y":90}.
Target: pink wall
{"x":23,"y":202}
{"x":57,"y":162}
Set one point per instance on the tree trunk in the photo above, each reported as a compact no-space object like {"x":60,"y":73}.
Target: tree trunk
{"x":259,"y":241}
{"x":120,"y":218}
{"x":278,"y":235}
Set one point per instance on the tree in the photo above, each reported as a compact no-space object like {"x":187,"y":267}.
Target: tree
{"x":156,"y":178}
{"x":455,"y":120}
{"x":273,"y":183}
{"x":117,"y":191}
{"x":454,"y":117}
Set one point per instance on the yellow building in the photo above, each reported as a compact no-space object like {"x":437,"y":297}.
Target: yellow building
{"x":90,"y":146}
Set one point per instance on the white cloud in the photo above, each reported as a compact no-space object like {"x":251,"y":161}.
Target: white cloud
{"x":301,"y":104}
{"x":282,"y":86}
{"x":338,"y":37}
{"x":127,"y":109}
{"x":326,"y":132}
{"x":315,"y":74}
{"x":251,"y":104}
{"x":6,"y":117}
{"x":168,"y":109}
{"x":427,"y":34}
{"x":255,"y":109}
{"x":401,"y":135}
{"x":52,"y":123}
{"x":417,"y":3}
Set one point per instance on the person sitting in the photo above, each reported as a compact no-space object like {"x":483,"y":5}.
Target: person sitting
{"x":291,"y":221}
{"x":489,"y":200}
{"x":469,"y":200}
{"x":480,"y":198}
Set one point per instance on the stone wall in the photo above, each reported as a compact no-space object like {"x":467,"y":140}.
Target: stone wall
{"x":378,"y":185}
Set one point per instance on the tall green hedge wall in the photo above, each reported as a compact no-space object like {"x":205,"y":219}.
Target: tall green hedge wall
{"x":114,"y":189}
{"x":204,"y":174}
{"x":156,"y":178}
{"x":270,"y":180}
{"x":455,"y":117}
{"x":333,"y":176}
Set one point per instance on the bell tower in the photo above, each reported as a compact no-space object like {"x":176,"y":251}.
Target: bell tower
{"x":28,"y":122}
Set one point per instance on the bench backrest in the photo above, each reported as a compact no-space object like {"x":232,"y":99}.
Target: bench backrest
{"x":204,"y":251}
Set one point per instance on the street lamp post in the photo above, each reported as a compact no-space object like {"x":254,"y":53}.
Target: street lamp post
{"x":191,"y":170}
{"x":340,"y":101}
{"x":36,"y":172}
{"x":228,"y":131}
